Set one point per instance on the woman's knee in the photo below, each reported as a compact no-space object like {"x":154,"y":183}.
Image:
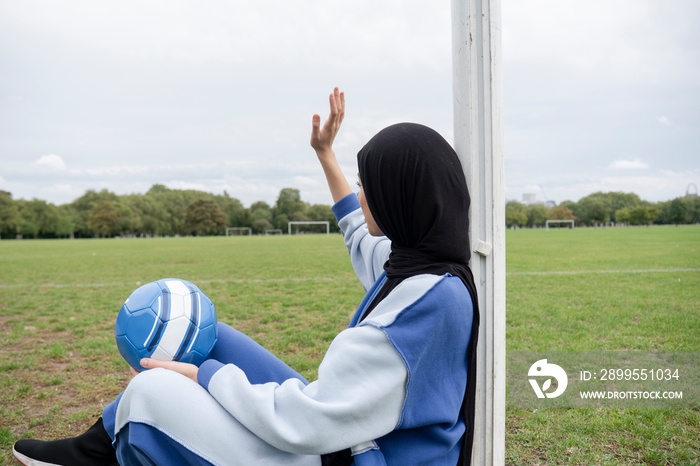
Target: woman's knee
{"x":259,"y":365}
{"x":154,"y":381}
{"x":155,"y":392}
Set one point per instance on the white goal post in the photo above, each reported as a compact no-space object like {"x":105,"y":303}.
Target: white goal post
{"x":238,"y":231}
{"x":273,"y":231}
{"x":478,"y":127}
{"x":328,"y":225}
{"x":569,"y":221}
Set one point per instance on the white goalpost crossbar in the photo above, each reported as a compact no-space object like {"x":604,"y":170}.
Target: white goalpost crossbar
{"x":328,"y":225}
{"x":478,"y":126}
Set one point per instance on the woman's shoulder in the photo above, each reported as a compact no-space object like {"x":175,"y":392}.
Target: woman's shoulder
{"x":423,"y":296}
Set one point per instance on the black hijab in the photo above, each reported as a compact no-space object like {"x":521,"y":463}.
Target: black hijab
{"x":416,"y":191}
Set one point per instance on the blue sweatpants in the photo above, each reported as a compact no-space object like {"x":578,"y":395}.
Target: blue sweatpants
{"x":158,"y":440}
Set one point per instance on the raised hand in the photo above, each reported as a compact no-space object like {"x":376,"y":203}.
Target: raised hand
{"x":322,"y":138}
{"x":322,"y":142}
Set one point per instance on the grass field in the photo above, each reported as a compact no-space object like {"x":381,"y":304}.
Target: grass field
{"x":583,"y":289}
{"x":603,"y":289}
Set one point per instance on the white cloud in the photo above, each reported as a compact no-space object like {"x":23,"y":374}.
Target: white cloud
{"x":690,"y":174}
{"x":307,"y":181}
{"x":619,"y":40}
{"x":208,"y":99}
{"x":65,"y":188}
{"x":108,"y":172}
{"x":571,"y":22}
{"x":52,"y":162}
{"x":664,"y":120}
{"x":533,"y":188}
{"x":635,"y":164}
{"x":387,"y":32}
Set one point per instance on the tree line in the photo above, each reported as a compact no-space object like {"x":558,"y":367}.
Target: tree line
{"x":603,"y":208}
{"x":168,"y":212}
{"x":159,"y":212}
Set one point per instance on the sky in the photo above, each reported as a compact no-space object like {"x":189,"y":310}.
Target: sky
{"x":598,"y":95}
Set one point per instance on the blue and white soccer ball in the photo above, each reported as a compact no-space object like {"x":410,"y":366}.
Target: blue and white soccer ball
{"x":168,"y":320}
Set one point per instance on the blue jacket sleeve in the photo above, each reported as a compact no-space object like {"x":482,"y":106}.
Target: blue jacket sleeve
{"x":367,"y":253}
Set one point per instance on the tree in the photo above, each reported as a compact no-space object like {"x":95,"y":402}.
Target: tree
{"x":619,"y":200}
{"x":260,"y":215}
{"x":572,"y":206}
{"x":125,"y":218}
{"x":678,"y":211}
{"x":65,"y":227}
{"x":281,"y":222}
{"x":158,"y":189}
{"x":692,"y":204}
{"x":28,"y":229}
{"x":103,"y":218}
{"x":623,"y":215}
{"x":593,"y":209}
{"x":43,"y":215}
{"x":643,"y":214}
{"x":560,"y":213}
{"x":516,"y":214}
{"x":236,"y":214}
{"x":10,"y":219}
{"x":147,"y":215}
{"x":204,"y":217}
{"x":652,"y":213}
{"x":601,"y":207}
{"x":82,"y":208}
{"x":289,"y":206}
{"x":323,"y":213}
{"x":536,"y":215}
{"x":299,"y":216}
{"x":259,"y":205}
{"x":289,"y":201}
{"x":261,"y":225}
{"x":175,"y":203}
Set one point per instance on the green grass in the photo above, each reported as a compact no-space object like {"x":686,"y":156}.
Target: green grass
{"x":586,"y":289}
{"x":603,"y":290}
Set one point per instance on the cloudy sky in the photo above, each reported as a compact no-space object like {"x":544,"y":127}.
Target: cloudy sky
{"x":218,"y":95}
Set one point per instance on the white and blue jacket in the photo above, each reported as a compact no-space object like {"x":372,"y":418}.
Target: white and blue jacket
{"x":392,"y":385}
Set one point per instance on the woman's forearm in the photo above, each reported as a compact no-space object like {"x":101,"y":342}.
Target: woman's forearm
{"x":337,"y":183}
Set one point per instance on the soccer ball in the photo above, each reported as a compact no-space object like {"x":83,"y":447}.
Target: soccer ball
{"x":169,"y":320}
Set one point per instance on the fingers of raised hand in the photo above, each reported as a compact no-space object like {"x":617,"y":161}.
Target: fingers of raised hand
{"x":337,"y":101}
{"x":315,"y":127}
{"x":322,"y":136}
{"x":341,"y":107}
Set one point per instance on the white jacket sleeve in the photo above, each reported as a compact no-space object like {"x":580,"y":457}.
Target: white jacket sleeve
{"x":367,"y":253}
{"x":358,"y":396}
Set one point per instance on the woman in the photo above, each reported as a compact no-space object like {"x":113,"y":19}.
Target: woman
{"x":394,"y":388}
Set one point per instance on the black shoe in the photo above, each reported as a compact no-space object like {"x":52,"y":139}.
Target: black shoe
{"x":93,"y":448}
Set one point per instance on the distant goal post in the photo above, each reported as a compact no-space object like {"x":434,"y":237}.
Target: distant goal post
{"x":559,"y":222}
{"x":327,"y":224}
{"x":239,"y":231}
